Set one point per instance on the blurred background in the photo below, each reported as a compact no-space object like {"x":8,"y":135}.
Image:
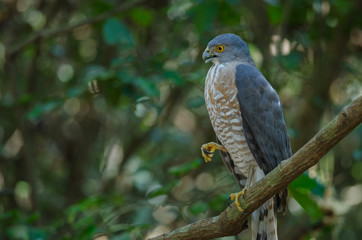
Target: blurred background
{"x":102,"y":113}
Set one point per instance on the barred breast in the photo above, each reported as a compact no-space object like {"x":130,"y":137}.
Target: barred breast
{"x":224,"y":111}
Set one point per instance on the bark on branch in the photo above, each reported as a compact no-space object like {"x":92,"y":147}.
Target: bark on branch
{"x":231,"y":222}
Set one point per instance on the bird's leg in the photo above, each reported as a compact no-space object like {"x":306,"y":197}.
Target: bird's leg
{"x":208,"y":150}
{"x":237,"y":195}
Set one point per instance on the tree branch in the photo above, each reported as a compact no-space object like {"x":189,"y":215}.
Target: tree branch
{"x":231,"y":222}
{"x":63,"y":29}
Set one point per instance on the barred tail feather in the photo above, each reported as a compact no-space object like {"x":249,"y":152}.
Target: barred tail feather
{"x":264,"y":222}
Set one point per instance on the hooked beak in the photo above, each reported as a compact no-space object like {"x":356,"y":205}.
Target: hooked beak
{"x":207,"y":55}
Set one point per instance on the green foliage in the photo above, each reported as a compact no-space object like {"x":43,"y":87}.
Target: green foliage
{"x":198,"y":207}
{"x":218,"y":203}
{"x":124,"y":161}
{"x":115,"y":32}
{"x":163,"y":190}
{"x":292,"y":61}
{"x":275,"y":14}
{"x":174,"y":77}
{"x":306,"y":184}
{"x":196,"y":102}
{"x":43,"y":108}
{"x":142,"y":16}
{"x":95,"y":216}
{"x":308,"y":204}
{"x":302,"y":189}
{"x":185,"y":168}
{"x":17,"y":225}
{"x":146,"y":86}
{"x":204,"y":14}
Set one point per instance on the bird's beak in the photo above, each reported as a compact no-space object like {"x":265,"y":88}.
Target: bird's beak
{"x":207,"y":55}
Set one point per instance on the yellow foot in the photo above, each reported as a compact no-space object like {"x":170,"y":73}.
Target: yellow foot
{"x":208,"y":150}
{"x":236,"y":196}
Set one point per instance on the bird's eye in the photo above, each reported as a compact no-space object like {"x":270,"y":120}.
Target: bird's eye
{"x":220,"y":48}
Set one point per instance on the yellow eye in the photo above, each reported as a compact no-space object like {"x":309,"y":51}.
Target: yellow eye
{"x":220,"y":48}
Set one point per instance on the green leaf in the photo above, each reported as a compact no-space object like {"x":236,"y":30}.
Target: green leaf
{"x":198,"y":207}
{"x":125,"y":77}
{"x":307,"y":203}
{"x":205,"y":13}
{"x":185,"y":168}
{"x":36,"y":234}
{"x":196,"y":102}
{"x":228,"y":13}
{"x":87,"y":204}
{"x":306,"y":184}
{"x":357,"y":154}
{"x":219,"y":202}
{"x":356,"y":171}
{"x":292,"y":61}
{"x":343,"y":7}
{"x":303,"y":181}
{"x":95,"y":72}
{"x":34,"y":217}
{"x":26,"y":98}
{"x":75,"y":91}
{"x":100,"y":6}
{"x":41,"y":109}
{"x":142,"y":16}
{"x":174,"y":77}
{"x":18,"y":231}
{"x":275,"y":15}
{"x":115,"y":32}
{"x":163,"y":190}
{"x":147,"y":86}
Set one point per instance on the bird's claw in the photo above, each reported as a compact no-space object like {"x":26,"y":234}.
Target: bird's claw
{"x":208,"y":150}
{"x":229,"y":201}
{"x":236,"y":196}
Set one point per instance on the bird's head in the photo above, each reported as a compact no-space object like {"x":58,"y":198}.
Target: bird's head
{"x":226,"y":48}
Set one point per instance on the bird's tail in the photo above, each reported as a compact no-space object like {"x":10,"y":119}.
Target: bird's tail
{"x":264,"y":222}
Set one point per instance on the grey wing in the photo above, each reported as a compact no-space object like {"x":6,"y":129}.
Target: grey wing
{"x":230,"y":165}
{"x":262,"y":117}
{"x":263,"y":122}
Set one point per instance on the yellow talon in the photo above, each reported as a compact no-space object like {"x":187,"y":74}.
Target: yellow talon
{"x":208,"y":150}
{"x":236,"y":196}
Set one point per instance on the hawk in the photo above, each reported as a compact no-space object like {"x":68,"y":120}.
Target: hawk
{"x":247,"y":117}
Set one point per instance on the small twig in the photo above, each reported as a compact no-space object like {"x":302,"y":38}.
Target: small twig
{"x":63,"y":29}
{"x":231,"y":222}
